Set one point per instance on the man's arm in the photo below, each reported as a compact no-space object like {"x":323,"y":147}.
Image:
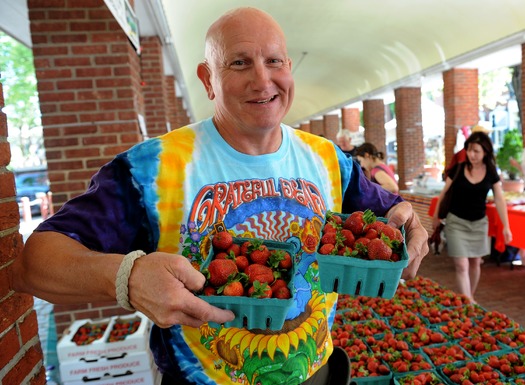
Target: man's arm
{"x":59,"y":269}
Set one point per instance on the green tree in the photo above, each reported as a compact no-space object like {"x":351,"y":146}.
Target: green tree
{"x":21,"y":102}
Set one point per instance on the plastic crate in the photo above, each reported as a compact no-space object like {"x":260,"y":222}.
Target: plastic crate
{"x":350,"y":275}
{"x":254,"y":313}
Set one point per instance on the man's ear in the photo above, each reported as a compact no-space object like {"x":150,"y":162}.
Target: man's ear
{"x":203,"y":72}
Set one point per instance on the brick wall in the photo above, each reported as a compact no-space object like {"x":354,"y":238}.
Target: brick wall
{"x":316,"y":127}
{"x":350,"y":119}
{"x":305,"y":127}
{"x":21,"y":359}
{"x":330,"y":126}
{"x":88,"y":77}
{"x":90,"y":89}
{"x":154,"y":86}
{"x":374,"y":122}
{"x":409,"y":133}
{"x":460,"y":95}
{"x":171,"y":103}
{"x":523,"y":92}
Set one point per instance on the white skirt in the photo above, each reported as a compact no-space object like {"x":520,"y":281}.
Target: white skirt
{"x":467,"y":238}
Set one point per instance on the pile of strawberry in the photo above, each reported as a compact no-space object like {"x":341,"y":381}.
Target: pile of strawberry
{"x":361,"y":235}
{"x":247,"y":269}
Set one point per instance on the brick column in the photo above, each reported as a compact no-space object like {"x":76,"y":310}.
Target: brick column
{"x":523,"y":93}
{"x":89,"y":84}
{"x":89,"y":88}
{"x":461,"y":104}
{"x":21,"y":359}
{"x":316,"y":127}
{"x":305,"y":127}
{"x":350,"y":119}
{"x":171,"y":102}
{"x":330,"y":126}
{"x":409,"y":132}
{"x":374,"y":122}
{"x":154,"y":89}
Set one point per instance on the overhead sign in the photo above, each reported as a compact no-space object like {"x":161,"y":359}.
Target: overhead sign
{"x":125,"y":16}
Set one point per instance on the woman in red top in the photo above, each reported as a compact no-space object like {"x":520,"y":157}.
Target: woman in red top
{"x":371,"y":161}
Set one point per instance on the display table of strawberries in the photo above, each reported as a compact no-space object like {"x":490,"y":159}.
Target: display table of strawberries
{"x":427,"y":334}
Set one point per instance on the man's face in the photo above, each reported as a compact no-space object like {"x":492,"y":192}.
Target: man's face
{"x":251,"y":80}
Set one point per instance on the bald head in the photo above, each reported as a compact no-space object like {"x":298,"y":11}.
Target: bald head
{"x":238,"y":21}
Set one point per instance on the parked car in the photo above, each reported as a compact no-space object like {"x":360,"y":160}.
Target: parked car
{"x":30,"y":183}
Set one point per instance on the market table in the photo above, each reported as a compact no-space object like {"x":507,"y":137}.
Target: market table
{"x":429,"y":331}
{"x":516,"y":213}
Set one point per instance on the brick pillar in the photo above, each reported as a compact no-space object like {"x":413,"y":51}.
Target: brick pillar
{"x":461,"y":103}
{"x":89,"y":84}
{"x":523,"y":93}
{"x":21,"y":359}
{"x":330,"y":126}
{"x":317,"y":127}
{"x":89,"y":88}
{"x":171,"y":102}
{"x":182,"y":115}
{"x":305,"y":127}
{"x":350,"y":119}
{"x":409,"y":132}
{"x":154,"y":89}
{"x":374,"y":122}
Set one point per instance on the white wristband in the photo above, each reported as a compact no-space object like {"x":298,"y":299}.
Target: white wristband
{"x":121,"y":283}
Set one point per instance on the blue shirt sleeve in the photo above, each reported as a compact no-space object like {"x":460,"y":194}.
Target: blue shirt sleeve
{"x":109,"y":216}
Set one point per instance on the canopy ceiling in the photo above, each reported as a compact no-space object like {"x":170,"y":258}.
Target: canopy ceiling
{"x":358,"y":50}
{"x":344,"y":51}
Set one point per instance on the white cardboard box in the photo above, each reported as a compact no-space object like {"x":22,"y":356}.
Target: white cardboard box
{"x":133,"y":343}
{"x":89,"y":369}
{"x":148,"y":377}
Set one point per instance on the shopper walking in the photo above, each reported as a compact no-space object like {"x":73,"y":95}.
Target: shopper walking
{"x":466,"y":224}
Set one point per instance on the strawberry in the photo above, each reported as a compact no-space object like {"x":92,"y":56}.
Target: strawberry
{"x":261,"y":273}
{"x":222,"y":240}
{"x":348,"y":238}
{"x":209,"y":290}
{"x":233,"y":289}
{"x":355,"y":223}
{"x":279,"y":283}
{"x":326,"y":249}
{"x":260,"y":290}
{"x":221,"y":255}
{"x":281,"y":293}
{"x":334,"y":218}
{"x":280,"y":259}
{"x":246,"y":247}
{"x":241,"y":261}
{"x":329,"y":238}
{"x":329,"y":228}
{"x":235,"y":249}
{"x":378,"y":249}
{"x":219,"y":270}
{"x":392,"y":233}
{"x":260,"y":254}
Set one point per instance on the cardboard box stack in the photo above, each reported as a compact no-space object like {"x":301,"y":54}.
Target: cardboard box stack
{"x":111,"y":351}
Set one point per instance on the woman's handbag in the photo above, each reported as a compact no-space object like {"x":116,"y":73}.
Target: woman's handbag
{"x":444,"y":205}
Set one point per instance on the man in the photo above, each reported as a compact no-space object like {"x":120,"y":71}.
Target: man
{"x":243,"y":171}
{"x":344,"y":140}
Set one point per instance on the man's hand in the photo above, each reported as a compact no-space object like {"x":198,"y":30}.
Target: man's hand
{"x":415,"y":233}
{"x":161,"y":286}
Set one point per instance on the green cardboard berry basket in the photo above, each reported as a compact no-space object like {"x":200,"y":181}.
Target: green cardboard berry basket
{"x":351,"y":275}
{"x":254,"y":313}
{"x":408,"y":377}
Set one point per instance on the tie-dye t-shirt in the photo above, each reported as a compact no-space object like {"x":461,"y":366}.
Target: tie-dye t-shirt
{"x":169,"y":193}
